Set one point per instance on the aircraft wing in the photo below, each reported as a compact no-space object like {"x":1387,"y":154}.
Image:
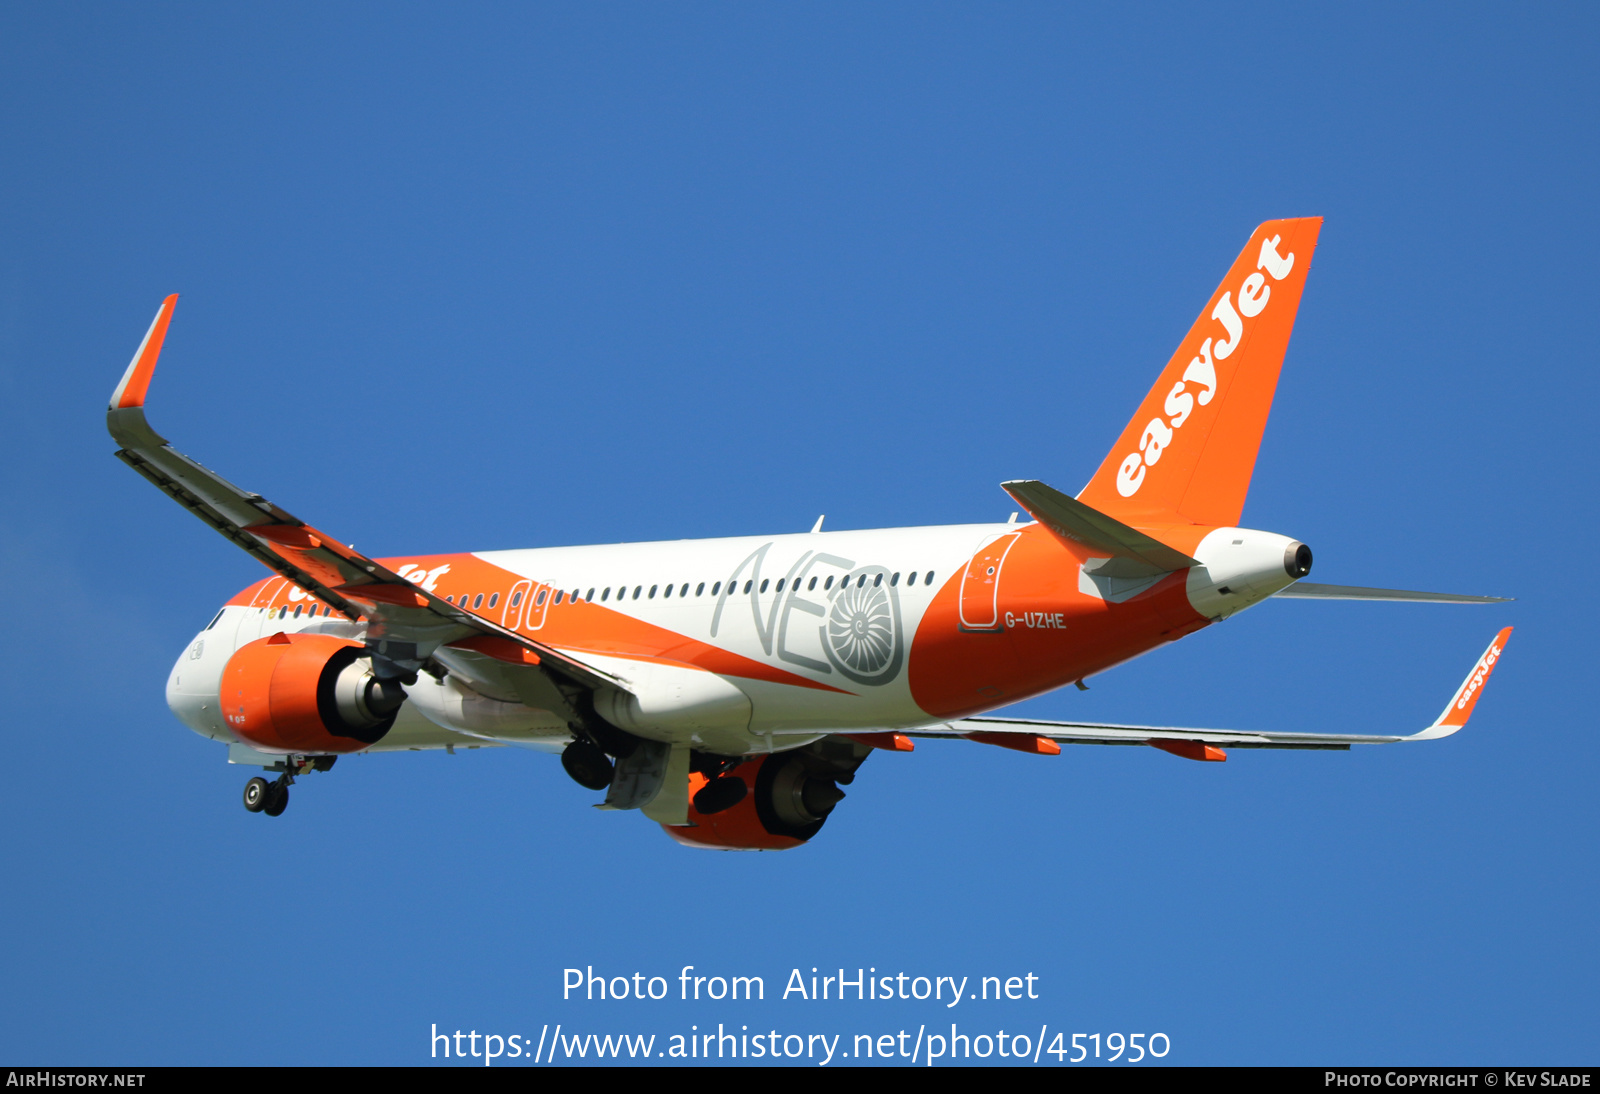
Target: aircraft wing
{"x":406,"y":623}
{"x":1026,"y":734}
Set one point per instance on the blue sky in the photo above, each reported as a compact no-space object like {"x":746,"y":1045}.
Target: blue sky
{"x":523,"y":275}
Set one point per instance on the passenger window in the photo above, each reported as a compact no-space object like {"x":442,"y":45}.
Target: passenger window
{"x":828,"y":584}
{"x":297,"y":610}
{"x":516,"y":598}
{"x":911,"y":578}
{"x":494,"y":599}
{"x":538,"y":600}
{"x":574,"y":597}
{"x":700,"y":589}
{"x":667,"y":593}
{"x":636,"y":591}
{"x":812,"y":584}
{"x":716,"y":588}
{"x":283,"y":611}
{"x":877,"y":580}
{"x":895,"y":580}
{"x":927,"y":579}
{"x":747,"y":585}
{"x":589,"y":599}
{"x":684,"y":591}
{"x":780,"y":585}
{"x":477,"y":601}
{"x":559,"y":595}
{"x":653,"y":589}
{"x":764,"y":584}
{"x":606,"y":594}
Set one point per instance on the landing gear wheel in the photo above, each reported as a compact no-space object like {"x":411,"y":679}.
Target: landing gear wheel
{"x":257,"y":792}
{"x":588,"y":766}
{"x":277,"y":800}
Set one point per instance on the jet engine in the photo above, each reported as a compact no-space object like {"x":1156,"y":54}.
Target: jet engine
{"x":789,"y":798}
{"x":306,"y":693}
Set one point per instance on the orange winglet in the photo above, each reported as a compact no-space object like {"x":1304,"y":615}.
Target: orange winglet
{"x":501,"y":649}
{"x":286,"y":535}
{"x":1460,"y":709}
{"x":1190,"y":750}
{"x":1019,"y":742}
{"x":401,"y":596}
{"x":889,"y":742}
{"x":136,"y":381}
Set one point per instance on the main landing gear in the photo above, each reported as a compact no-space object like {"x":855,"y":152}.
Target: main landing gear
{"x":587,"y":764}
{"x":272,"y":798}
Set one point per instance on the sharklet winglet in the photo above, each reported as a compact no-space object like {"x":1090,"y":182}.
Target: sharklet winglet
{"x":135,"y":382}
{"x":1467,"y":695}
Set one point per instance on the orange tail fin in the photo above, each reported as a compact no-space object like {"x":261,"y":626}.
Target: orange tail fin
{"x":1188,"y":454}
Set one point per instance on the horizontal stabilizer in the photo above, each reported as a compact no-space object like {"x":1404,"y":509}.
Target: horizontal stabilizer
{"x":1075,"y":523}
{"x":1306,"y":590}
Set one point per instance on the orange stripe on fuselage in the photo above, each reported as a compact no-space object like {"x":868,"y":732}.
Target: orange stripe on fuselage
{"x":578,"y":627}
{"x":1052,"y":634}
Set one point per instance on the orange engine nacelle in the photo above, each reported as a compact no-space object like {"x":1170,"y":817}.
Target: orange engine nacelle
{"x":772,"y":816}
{"x":306,"y":693}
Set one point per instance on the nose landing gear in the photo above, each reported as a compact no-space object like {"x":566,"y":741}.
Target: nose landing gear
{"x":256,"y":792}
{"x":272,"y":798}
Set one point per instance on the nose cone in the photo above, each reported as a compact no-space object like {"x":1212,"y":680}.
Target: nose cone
{"x":193,"y":683}
{"x":1240,"y":567}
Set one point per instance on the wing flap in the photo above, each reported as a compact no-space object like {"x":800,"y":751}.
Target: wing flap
{"x":1090,"y":733}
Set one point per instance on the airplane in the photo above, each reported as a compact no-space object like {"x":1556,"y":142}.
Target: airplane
{"x":727,"y":688}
